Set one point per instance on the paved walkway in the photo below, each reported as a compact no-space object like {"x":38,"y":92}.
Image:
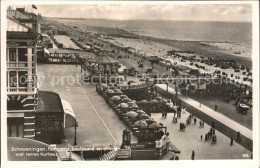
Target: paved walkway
{"x":98,"y":123}
{"x":189,"y":140}
{"x":217,"y":116}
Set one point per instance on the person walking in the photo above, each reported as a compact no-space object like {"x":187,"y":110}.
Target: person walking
{"x":238,"y":136}
{"x":165,"y":115}
{"x":201,"y":137}
{"x":200,"y":123}
{"x":231,"y":141}
{"x":195,"y":120}
{"x":162,"y":114}
{"x":216,"y":107}
{"x":193,"y":155}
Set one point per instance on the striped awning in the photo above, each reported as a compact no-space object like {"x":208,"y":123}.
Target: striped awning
{"x":69,"y":115}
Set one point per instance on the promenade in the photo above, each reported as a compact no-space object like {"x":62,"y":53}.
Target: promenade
{"x":98,"y":123}
{"x":189,"y":140}
{"x":221,"y":122}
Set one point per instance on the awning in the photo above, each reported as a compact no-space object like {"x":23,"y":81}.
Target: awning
{"x":46,"y":51}
{"x":69,"y":115}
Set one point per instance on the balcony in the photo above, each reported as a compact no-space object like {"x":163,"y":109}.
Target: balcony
{"x":21,"y":90}
{"x":19,"y":64}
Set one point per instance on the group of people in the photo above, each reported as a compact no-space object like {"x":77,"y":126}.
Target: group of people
{"x":182,"y":126}
{"x":178,"y":110}
{"x":210,"y":136}
{"x":164,"y":114}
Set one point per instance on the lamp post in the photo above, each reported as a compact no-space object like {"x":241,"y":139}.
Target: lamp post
{"x":75,"y":137}
{"x":200,"y":92}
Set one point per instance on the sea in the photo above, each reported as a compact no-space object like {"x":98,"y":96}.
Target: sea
{"x":215,"y":31}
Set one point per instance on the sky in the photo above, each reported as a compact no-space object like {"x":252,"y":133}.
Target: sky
{"x":197,"y":12}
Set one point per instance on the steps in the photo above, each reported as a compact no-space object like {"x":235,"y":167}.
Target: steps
{"x":111,"y":155}
{"x":29,"y":125}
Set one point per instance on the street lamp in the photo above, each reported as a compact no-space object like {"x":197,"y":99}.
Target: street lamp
{"x":75,"y":137}
{"x":200,"y":92}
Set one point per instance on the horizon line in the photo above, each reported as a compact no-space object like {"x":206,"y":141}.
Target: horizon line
{"x":146,"y":19}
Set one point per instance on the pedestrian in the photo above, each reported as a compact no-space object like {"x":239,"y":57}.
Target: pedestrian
{"x":162,"y":114}
{"x":206,"y":137}
{"x":213,"y":131}
{"x":193,"y":155}
{"x":238,"y":136}
{"x":165,"y":115}
{"x":231,"y":141}
{"x":200,"y":123}
{"x":195,"y":120}
{"x":201,"y":137}
{"x":181,"y":126}
{"x":216,"y":107}
{"x":213,"y":124}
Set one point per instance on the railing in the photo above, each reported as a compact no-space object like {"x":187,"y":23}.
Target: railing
{"x":19,"y":64}
{"x":20,"y":89}
{"x":149,"y":84}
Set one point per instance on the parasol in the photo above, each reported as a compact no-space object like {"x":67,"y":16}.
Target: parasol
{"x":144,"y":116}
{"x":150,"y":121}
{"x":115,"y":98}
{"x":140,"y":112}
{"x":123,"y":105}
{"x":109,"y":91}
{"x":123,"y":96}
{"x":158,"y":98}
{"x":141,"y":123}
{"x":155,"y":125}
{"x":125,"y":100}
{"x":131,"y":114}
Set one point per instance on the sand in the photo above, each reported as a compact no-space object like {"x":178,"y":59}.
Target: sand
{"x":236,"y":49}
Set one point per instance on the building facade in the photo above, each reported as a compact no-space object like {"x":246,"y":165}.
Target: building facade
{"x":21,"y":57}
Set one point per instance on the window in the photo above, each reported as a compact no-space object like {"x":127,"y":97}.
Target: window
{"x":12,"y":79}
{"x":22,"y":78}
{"x":22,"y":54}
{"x":15,"y":130}
{"x":12,"y":54}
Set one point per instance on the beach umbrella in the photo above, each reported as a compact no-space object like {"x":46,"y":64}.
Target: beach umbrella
{"x":109,"y":91}
{"x":116,"y":90}
{"x":134,"y":107}
{"x":126,"y":100}
{"x":158,"y":98}
{"x":130,"y":82}
{"x":155,"y":125}
{"x":115,"y":98}
{"x":104,"y":86}
{"x":123,"y":96}
{"x":110,"y":84}
{"x":112,"y":87}
{"x":131,"y":103}
{"x":142,"y":80}
{"x":123,"y":105}
{"x":131,"y":114}
{"x":140,"y":112}
{"x":145,"y":116}
{"x":141,"y":123}
{"x":150,"y":121}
